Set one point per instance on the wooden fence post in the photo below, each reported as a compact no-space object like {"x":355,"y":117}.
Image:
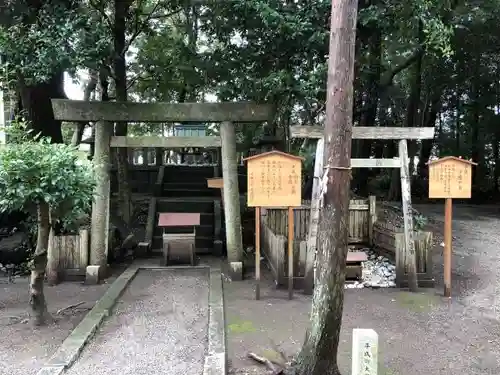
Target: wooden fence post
{"x":84,"y":248}
{"x":53,"y":256}
{"x":408,"y":260}
{"x":372,"y":216}
{"x":312,"y":235}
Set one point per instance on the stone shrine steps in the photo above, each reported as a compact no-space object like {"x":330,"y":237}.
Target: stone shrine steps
{"x":204,"y":232}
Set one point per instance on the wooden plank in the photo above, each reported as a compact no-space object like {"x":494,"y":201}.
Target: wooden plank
{"x":356,"y":256}
{"x":372,"y":199}
{"x":409,"y":258}
{"x":358,"y":206}
{"x":165,"y":142}
{"x":353,"y":206}
{"x":375,"y":163}
{"x":312,"y":235}
{"x":83,"y":249}
{"x":366,"y":132}
{"x":178,"y":219}
{"x":79,"y":110}
{"x":150,"y":225}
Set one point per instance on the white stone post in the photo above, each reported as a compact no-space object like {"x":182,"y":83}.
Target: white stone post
{"x":364,"y":352}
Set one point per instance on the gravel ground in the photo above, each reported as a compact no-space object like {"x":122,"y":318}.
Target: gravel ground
{"x":24,"y":348}
{"x":159,"y":326}
{"x":419,"y":334}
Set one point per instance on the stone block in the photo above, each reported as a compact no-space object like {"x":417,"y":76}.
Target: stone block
{"x":218,"y":247}
{"x":93,"y":275}
{"x":236,"y":271}
{"x":364,"y":351}
{"x":143,"y":249}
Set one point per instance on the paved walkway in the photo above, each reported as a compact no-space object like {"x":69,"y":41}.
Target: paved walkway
{"x":159,"y":326}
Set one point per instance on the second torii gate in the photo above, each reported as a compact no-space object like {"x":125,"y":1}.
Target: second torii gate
{"x":402,"y":162}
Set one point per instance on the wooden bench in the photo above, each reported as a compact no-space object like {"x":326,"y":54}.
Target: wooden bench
{"x":179,"y":247}
{"x":354,"y":269}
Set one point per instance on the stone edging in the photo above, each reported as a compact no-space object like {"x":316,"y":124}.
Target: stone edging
{"x":70,"y":349}
{"x":216,"y":357}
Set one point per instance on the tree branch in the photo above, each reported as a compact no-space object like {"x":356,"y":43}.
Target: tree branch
{"x":140,"y":26}
{"x":388,"y":77}
{"x":100,"y":8}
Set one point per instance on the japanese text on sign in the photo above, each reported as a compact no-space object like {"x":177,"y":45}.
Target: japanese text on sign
{"x":450,"y":179}
{"x":274,"y":180}
{"x":364,"y":352}
{"x":367,"y":360}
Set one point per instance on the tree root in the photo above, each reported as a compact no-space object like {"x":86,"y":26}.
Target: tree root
{"x":280,"y":352}
{"x":11,"y":320}
{"x":268,"y":363}
{"x":70,"y":307}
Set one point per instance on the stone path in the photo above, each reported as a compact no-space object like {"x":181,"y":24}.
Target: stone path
{"x":475,"y":256}
{"x":159,"y":326}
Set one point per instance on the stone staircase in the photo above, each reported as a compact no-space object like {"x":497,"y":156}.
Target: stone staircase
{"x":184,"y":189}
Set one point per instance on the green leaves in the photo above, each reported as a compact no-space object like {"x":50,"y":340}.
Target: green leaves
{"x":52,"y":38}
{"x":39,"y":171}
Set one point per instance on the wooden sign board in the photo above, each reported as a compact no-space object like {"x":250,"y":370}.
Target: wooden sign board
{"x":450,"y":177}
{"x":216,"y":183}
{"x":274,"y":179}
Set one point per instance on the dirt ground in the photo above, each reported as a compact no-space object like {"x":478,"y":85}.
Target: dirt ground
{"x":24,"y":348}
{"x":419,"y":334}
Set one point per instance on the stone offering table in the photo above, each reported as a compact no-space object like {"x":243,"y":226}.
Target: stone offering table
{"x":179,"y":247}
{"x":354,"y":268}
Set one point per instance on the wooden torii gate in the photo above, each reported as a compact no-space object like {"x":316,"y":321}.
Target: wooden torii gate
{"x":386,"y":133}
{"x":105,"y":114}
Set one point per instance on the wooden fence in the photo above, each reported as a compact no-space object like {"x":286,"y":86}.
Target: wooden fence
{"x":390,"y":240}
{"x":68,"y":256}
{"x":274,"y":223}
{"x":361,"y":219}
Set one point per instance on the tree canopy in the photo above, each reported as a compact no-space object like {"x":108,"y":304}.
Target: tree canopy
{"x":422,"y":63}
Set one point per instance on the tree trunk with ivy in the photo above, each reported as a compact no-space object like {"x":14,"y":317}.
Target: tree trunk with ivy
{"x":120,"y":77}
{"x":90,"y":88}
{"x":319,"y":352}
{"x":36,"y":106}
{"x":39,"y":264}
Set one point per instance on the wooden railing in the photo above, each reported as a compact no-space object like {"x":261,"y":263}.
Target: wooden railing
{"x":361,"y":219}
{"x":274,"y":229}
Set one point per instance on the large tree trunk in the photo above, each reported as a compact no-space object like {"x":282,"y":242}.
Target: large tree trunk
{"x":430,"y":118}
{"x":477,"y":145}
{"x":319,"y":353}
{"x":412,"y":115}
{"x":394,"y":193}
{"x":87,"y":94}
{"x":120,"y":75}
{"x":496,"y":157}
{"x":369,"y":115}
{"x":411,"y":119}
{"x":37,"y":106}
{"x":37,"y":297}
